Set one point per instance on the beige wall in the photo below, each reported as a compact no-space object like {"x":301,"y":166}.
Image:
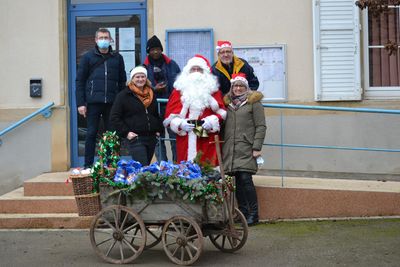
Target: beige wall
{"x":256,"y":22}
{"x":34,"y":45}
{"x":30,"y":48}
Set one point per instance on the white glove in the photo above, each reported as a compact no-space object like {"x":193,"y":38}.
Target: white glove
{"x":187,"y":127}
{"x":207,"y":125}
{"x":211,"y":124}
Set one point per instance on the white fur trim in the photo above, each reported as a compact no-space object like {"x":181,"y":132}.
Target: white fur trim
{"x":222,"y":113}
{"x":197,"y":61}
{"x":168,"y":120}
{"x":240,"y":79}
{"x":214,"y":121}
{"x":213,"y":104}
{"x":192,"y":145}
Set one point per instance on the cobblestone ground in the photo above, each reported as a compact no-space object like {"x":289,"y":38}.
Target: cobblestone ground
{"x":312,"y":243}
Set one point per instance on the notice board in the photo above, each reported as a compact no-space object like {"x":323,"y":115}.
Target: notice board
{"x":269,"y":63}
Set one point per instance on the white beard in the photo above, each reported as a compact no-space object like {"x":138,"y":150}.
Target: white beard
{"x":196,"y":89}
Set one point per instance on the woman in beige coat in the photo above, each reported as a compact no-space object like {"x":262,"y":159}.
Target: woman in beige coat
{"x":244,"y":134}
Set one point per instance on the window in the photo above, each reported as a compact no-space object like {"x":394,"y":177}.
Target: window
{"x":181,"y":45}
{"x":381,"y":56}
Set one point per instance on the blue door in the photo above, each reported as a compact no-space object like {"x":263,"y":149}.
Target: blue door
{"x":127,"y":23}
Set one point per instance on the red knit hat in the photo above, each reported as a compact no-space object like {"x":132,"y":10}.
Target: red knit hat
{"x":223,"y":44}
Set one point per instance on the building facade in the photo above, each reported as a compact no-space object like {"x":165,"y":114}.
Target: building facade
{"x":308,"y":52}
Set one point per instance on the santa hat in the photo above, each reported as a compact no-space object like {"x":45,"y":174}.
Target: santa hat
{"x":138,"y":69}
{"x":200,"y":61}
{"x":223,"y":44}
{"x":239,"y":77}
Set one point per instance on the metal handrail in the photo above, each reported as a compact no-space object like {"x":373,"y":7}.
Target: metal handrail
{"x":45,"y":111}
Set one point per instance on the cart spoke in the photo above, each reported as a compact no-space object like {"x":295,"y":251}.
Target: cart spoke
{"x":230,"y":241}
{"x":129,"y":245}
{"x":116,"y":218}
{"x":170,"y":244}
{"x":171,"y":234}
{"x":223,"y":241}
{"x":189,"y":252}
{"x":188,"y":229}
{"x":175,"y":227}
{"x":136,"y":224}
{"x":190,"y":238}
{"x":176,"y":249}
{"x":193,"y":246}
{"x":124,"y":221}
{"x":134,"y":236}
{"x":111,"y":247}
{"x":109,"y":223}
{"x":121,"y":250}
{"x":103,"y":231}
{"x":182,"y":253}
{"x":104,"y":241}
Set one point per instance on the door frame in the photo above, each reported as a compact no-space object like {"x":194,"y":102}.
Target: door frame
{"x":103,"y":9}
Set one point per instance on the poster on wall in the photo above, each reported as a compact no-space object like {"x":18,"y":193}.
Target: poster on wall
{"x":269,"y":63}
{"x":126,"y":44}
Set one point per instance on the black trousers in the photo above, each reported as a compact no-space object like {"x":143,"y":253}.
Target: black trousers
{"x":246,"y":195}
{"x":142,"y":148}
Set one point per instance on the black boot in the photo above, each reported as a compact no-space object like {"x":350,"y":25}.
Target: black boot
{"x":251,"y":198}
{"x":241,"y":196}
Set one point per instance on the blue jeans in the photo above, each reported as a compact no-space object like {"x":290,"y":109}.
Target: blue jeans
{"x":142,"y":148}
{"x":93,"y":115}
{"x":161,"y":151}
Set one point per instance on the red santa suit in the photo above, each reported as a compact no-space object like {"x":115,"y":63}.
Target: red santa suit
{"x":195,"y":97}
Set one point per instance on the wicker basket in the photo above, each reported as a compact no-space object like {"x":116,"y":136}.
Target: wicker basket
{"x":82,"y":184}
{"x":88,"y":205}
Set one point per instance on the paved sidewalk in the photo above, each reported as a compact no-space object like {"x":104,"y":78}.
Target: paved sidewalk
{"x":312,"y":243}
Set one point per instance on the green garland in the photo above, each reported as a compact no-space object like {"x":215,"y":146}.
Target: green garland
{"x":108,"y":153}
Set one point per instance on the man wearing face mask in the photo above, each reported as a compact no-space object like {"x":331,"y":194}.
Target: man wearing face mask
{"x":100,"y":77}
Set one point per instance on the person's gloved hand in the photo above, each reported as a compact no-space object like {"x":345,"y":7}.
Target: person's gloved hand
{"x":211,"y":124}
{"x":185,"y":126}
{"x":207,"y":125}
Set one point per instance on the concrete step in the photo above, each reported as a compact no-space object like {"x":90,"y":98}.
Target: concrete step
{"x":17,"y":202}
{"x":299,"y":197}
{"x":49,"y":184}
{"x":44,"y":221}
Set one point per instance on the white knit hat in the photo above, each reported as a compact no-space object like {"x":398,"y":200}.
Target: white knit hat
{"x":138,"y":69}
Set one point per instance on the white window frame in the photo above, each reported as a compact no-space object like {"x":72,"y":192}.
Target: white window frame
{"x":374,"y":92}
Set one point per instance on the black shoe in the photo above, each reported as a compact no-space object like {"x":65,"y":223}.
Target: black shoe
{"x":252,"y":221}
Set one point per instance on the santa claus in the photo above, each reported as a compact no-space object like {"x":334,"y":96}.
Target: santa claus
{"x":195,"y":111}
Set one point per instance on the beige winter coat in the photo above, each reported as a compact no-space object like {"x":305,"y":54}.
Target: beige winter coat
{"x":244,"y":131}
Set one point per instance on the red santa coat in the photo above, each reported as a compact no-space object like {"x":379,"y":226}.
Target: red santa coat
{"x":188,"y":145}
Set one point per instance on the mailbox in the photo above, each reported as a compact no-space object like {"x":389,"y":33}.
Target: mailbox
{"x":35,"y":87}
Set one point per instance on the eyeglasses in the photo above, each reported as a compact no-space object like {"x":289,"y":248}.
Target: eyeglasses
{"x":228,"y":52}
{"x":239,"y":85}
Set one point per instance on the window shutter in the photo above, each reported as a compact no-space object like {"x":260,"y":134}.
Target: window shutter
{"x":336,"y":50}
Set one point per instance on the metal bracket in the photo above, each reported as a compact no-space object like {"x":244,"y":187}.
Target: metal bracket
{"x":47,"y":113}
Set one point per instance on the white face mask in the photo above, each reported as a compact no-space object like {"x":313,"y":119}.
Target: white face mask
{"x":103,"y":43}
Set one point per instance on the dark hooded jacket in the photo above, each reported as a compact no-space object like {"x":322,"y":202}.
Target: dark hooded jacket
{"x":101,"y":83}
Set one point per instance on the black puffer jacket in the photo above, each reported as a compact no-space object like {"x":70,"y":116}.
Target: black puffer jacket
{"x":128,"y":114}
{"x":102,"y":84}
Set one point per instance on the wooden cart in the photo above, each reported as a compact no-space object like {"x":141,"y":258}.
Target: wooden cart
{"x":119,"y":233}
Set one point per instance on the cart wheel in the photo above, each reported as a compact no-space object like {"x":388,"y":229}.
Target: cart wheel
{"x":117,"y":234}
{"x":154,"y":234}
{"x":232,"y":237}
{"x":182,"y":240}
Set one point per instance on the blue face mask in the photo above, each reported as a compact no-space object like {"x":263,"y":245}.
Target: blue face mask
{"x":103,"y":43}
